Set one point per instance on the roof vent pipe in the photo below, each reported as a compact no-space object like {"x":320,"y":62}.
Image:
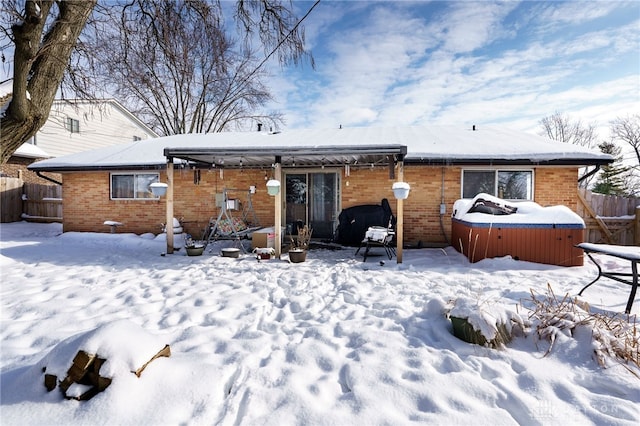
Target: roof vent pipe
{"x":259,"y":127}
{"x":474,"y":127}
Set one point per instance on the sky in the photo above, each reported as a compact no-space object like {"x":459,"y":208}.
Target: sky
{"x":380,"y":63}
{"x":330,"y":341}
{"x":463,"y":62}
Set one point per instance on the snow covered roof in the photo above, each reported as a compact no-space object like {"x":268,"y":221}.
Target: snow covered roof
{"x":428,"y":144}
{"x":29,"y":150}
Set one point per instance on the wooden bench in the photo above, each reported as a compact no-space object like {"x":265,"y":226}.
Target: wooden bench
{"x":629,"y":253}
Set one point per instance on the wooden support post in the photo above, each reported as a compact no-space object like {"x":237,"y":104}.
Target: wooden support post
{"x":169,"y":225}
{"x":400,"y":216}
{"x":278,"y":209}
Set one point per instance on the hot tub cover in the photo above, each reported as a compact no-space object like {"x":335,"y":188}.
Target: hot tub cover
{"x":512,"y":212}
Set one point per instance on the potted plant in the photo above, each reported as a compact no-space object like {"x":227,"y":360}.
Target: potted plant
{"x":193,"y":248}
{"x":300,"y":245}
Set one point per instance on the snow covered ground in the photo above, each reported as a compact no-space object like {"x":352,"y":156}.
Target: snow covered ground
{"x":332,"y":340}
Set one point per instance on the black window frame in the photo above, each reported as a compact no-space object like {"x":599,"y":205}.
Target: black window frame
{"x":496,"y":183}
{"x":73,"y":125}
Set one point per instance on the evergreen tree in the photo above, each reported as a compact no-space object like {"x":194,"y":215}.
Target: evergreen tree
{"x":611,"y":179}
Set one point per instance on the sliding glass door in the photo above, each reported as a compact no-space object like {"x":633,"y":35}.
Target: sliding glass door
{"x":312,"y":198}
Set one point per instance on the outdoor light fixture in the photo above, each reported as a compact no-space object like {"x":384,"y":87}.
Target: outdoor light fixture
{"x":401,"y":190}
{"x":273,"y":187}
{"x":158,"y":189}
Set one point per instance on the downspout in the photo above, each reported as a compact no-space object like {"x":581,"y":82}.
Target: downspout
{"x":443,"y":207}
{"x":40,"y":175}
{"x":588,"y":175}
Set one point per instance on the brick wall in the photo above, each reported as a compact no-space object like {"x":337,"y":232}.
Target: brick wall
{"x":87,"y":205}
{"x":551,"y":187}
{"x":16,"y":167}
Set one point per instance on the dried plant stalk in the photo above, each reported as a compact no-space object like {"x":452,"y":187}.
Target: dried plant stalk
{"x":616,"y":337}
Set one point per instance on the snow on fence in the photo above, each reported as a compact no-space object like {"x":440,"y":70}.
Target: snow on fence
{"x":609,"y":219}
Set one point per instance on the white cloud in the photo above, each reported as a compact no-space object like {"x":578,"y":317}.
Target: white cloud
{"x":471,"y":25}
{"x":576,"y":12}
{"x":391,"y":65}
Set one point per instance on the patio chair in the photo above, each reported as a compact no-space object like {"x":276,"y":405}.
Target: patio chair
{"x":378,"y":236}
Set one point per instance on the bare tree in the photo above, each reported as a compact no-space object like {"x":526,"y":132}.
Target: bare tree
{"x":45,"y":32}
{"x":626,"y":130}
{"x":562,"y":128}
{"x":44,"y":36}
{"x":174,"y":66}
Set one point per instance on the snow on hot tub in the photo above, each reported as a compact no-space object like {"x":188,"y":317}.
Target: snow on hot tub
{"x":487,"y":226}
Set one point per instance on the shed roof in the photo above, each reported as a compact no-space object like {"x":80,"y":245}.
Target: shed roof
{"x":357,"y":145}
{"x":28,"y":150}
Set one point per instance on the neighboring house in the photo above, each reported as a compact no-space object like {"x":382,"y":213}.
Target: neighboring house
{"x":81,"y":125}
{"x":74,"y":126}
{"x":322,"y":172}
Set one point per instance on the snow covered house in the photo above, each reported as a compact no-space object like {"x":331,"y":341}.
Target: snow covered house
{"x":321,"y":172}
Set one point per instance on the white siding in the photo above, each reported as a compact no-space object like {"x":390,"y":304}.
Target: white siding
{"x":101,"y":124}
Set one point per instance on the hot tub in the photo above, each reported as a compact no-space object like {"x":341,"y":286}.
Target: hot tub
{"x":527,"y":232}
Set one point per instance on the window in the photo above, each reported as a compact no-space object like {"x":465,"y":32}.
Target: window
{"x":132,"y":186}
{"x":73,"y":125}
{"x":506,"y":184}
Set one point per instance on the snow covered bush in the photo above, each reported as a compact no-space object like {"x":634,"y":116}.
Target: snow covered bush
{"x":615,"y":337}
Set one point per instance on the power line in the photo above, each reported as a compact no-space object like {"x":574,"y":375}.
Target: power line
{"x":275,"y":49}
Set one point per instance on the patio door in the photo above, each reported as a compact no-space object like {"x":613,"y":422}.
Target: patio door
{"x":312,"y":198}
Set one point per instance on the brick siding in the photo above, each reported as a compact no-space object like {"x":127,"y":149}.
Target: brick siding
{"x":16,"y":167}
{"x":86,"y":201}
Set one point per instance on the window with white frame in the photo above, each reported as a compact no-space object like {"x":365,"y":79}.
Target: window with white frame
{"x":506,"y":184}
{"x":73,"y":125}
{"x":132,"y":186}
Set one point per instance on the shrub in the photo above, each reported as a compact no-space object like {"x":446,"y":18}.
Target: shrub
{"x":615,"y":337}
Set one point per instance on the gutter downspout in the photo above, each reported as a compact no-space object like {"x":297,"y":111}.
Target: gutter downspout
{"x":40,"y":175}
{"x":443,"y":206}
{"x":591,"y":173}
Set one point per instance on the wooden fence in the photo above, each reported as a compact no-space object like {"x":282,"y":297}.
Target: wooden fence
{"x":29,"y":201}
{"x":10,"y":199}
{"x":610,"y":219}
